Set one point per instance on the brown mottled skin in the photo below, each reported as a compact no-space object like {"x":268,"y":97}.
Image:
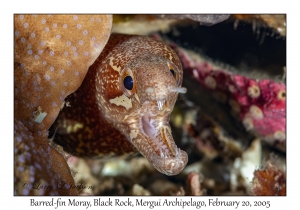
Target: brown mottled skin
{"x":106,"y":118}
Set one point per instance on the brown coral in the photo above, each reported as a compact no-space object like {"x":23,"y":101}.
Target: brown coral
{"x":270,"y":180}
{"x":52,"y":55}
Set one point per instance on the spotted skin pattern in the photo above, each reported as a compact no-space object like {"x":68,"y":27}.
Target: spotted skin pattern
{"x":106,"y":118}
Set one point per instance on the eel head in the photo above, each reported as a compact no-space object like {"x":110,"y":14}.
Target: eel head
{"x":149,"y":86}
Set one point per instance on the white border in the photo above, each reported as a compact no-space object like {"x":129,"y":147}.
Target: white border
{"x":8,"y":8}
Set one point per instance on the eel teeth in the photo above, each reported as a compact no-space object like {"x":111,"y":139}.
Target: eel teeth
{"x":160,"y":104}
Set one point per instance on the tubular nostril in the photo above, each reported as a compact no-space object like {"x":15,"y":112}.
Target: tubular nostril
{"x":178,"y":89}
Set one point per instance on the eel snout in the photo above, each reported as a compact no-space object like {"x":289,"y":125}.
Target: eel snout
{"x":167,"y":164}
{"x":152,"y":137}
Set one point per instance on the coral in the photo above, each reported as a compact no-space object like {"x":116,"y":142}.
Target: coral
{"x":51,"y":57}
{"x":243,"y":167}
{"x":269,"y":181}
{"x":259,"y":104}
{"x":51,"y":61}
{"x":39,"y":168}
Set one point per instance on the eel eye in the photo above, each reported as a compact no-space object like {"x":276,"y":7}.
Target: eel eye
{"x":128,"y":82}
{"x":173,"y":72}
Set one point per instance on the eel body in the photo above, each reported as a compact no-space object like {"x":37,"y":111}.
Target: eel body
{"x":124,"y":104}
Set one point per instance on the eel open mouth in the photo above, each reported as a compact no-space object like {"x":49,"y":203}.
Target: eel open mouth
{"x":155,"y":142}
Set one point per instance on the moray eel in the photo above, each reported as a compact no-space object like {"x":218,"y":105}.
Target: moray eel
{"x":124,"y":104}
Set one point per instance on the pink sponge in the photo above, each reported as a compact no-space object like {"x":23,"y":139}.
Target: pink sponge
{"x":260,"y":105}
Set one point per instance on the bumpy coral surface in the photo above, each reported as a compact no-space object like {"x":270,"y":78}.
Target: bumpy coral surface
{"x":52,"y":55}
{"x":39,"y":168}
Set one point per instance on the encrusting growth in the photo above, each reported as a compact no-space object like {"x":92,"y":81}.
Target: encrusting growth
{"x":269,"y":181}
{"x":52,"y":54}
{"x":260,"y":104}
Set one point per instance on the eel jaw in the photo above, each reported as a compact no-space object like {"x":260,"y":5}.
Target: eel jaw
{"x":154,"y":141}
